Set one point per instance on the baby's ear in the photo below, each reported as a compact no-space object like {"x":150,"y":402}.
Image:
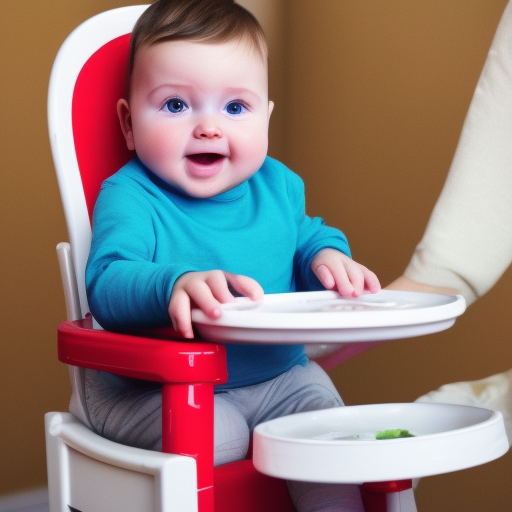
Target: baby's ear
{"x":125,"y":120}
{"x":270,"y":108}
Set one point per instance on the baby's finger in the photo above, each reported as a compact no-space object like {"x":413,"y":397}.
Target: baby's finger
{"x":244,"y":285}
{"x":217,"y":283}
{"x":356,"y":277}
{"x":325,"y":277}
{"x":179,"y":311}
{"x":201,"y":294}
{"x":371,"y":281}
{"x":343,"y":280}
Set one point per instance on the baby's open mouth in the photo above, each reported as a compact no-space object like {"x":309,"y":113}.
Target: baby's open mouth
{"x":205,"y":158}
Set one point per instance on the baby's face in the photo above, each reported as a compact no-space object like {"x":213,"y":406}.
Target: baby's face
{"x":198,"y":114}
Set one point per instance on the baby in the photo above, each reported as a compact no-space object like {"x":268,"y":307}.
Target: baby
{"x":202,"y":215}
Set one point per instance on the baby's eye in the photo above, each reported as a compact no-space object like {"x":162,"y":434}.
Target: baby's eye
{"x":235,"y":108}
{"x":175,"y":105}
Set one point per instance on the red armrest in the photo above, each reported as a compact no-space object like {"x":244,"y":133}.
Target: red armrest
{"x":148,"y":358}
{"x":188,"y":371}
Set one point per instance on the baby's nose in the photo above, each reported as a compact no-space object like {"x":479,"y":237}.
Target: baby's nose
{"x":208,"y":128}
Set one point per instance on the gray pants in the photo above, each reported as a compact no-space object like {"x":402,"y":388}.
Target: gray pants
{"x":129,"y":412}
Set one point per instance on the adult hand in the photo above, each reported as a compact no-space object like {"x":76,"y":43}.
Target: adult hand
{"x":408,"y":285}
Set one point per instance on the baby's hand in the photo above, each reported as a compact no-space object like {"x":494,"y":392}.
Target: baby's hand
{"x":336,"y":271}
{"x":207,"y":291}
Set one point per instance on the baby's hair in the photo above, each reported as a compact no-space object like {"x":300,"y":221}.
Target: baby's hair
{"x":205,"y":21}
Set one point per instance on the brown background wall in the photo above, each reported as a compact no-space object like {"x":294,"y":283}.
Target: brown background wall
{"x":376,"y":96}
{"x":370,"y":99}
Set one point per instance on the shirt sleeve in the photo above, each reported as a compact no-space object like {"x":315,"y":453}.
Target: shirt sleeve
{"x":468,"y":241}
{"x":125,"y":288}
{"x":313,"y":236}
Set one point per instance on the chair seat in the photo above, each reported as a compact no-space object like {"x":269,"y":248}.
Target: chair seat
{"x":239,"y":487}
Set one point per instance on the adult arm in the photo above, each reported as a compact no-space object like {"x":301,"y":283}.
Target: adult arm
{"x":467,"y":245}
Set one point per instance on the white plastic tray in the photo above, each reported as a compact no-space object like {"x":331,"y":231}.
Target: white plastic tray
{"x":306,"y":446}
{"x":326,"y":317}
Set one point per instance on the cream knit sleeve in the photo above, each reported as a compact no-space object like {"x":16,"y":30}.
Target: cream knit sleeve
{"x":468,"y":241}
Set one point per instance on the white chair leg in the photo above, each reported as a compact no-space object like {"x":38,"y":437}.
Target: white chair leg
{"x":89,"y":473}
{"x":402,"y":501}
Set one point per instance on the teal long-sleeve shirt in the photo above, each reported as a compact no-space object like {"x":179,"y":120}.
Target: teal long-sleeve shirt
{"x":146,"y":234}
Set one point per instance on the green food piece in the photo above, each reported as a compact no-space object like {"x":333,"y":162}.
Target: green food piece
{"x":393,"y":433}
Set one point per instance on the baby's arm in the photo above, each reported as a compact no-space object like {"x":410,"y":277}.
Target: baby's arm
{"x":207,"y":291}
{"x":336,"y":271}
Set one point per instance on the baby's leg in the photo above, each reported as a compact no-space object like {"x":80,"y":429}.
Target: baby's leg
{"x":231,"y":431}
{"x":129,"y":412}
{"x":298,"y":390}
{"x":312,"y":497}
{"x":126,"y":411}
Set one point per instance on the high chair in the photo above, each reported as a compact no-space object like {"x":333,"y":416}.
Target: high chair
{"x":88,"y":78}
{"x":87,"y":473}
